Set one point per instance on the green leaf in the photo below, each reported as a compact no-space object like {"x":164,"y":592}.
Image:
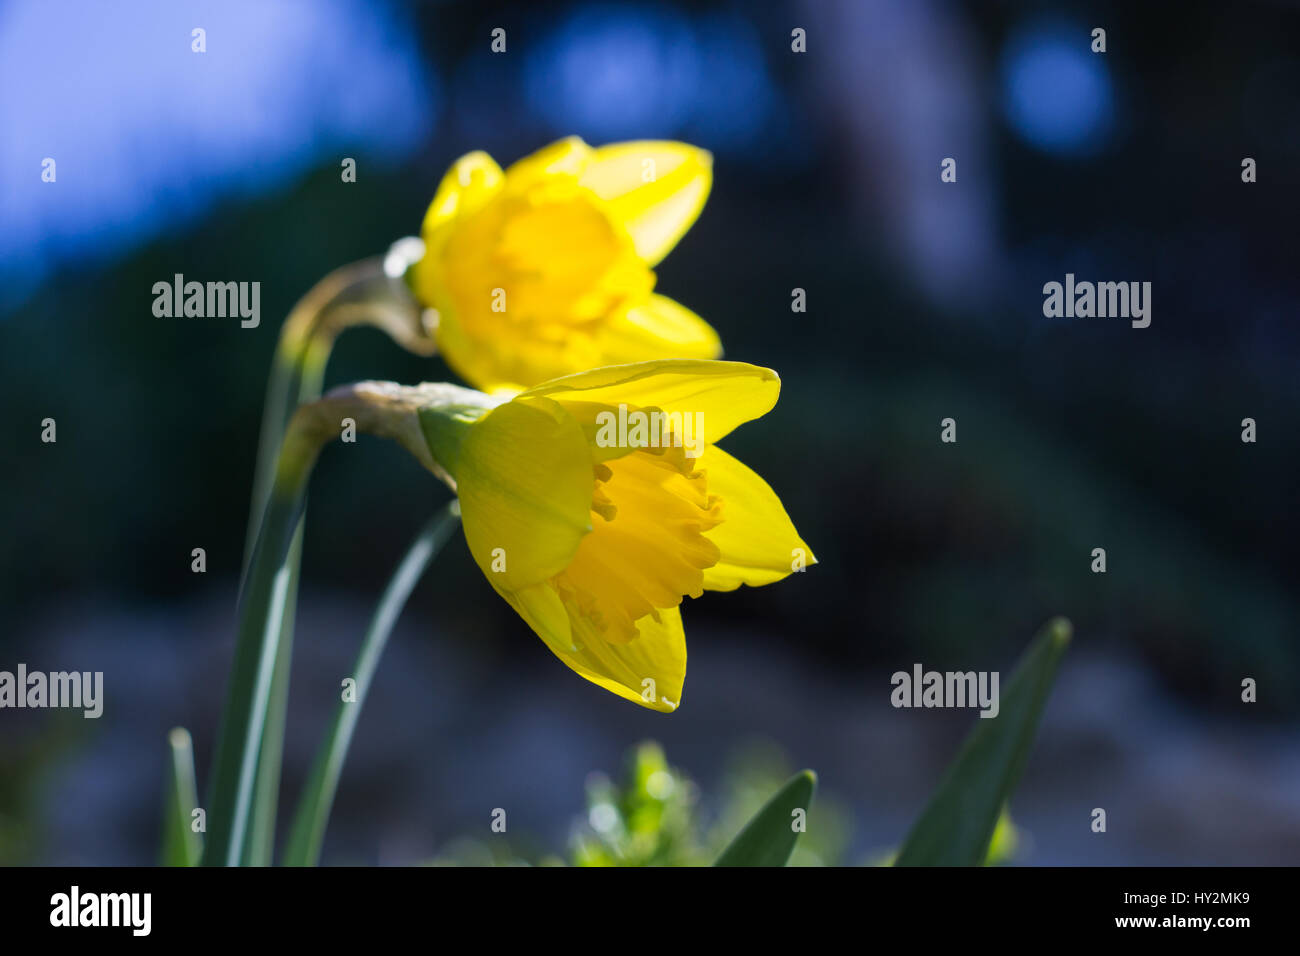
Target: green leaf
{"x":181,"y":845}
{"x":299,"y":373}
{"x":259,"y":841}
{"x":262,"y":605}
{"x":312,"y":814}
{"x":769,"y":837}
{"x":958,"y":823}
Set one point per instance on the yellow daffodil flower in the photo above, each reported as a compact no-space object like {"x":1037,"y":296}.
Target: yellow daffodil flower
{"x":546,"y":269}
{"x":594,"y":529}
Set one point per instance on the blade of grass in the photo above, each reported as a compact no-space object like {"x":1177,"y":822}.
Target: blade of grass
{"x":769,"y":837}
{"x":181,"y":845}
{"x":312,"y":814}
{"x":957,"y":825}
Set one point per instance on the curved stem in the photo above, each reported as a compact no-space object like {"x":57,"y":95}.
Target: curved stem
{"x":379,"y":408}
{"x":362,"y":293}
{"x":312,"y":814}
{"x":369,"y":292}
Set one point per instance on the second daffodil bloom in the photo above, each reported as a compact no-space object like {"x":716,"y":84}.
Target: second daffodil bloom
{"x":546,"y":268}
{"x":595,"y":502}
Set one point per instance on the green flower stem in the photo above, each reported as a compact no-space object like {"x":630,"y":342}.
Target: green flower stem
{"x":369,"y":292}
{"x":312,"y":815}
{"x":182,"y":846}
{"x":379,"y":408}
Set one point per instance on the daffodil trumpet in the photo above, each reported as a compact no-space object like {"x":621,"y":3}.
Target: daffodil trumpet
{"x":596,"y":543}
{"x":547,"y":267}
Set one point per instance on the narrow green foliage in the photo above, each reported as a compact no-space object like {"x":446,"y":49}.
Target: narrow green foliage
{"x":182,"y":846}
{"x":769,"y":837}
{"x":312,"y":814}
{"x":958,"y":823}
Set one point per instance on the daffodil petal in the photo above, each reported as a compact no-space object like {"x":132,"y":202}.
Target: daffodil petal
{"x":725,"y":394}
{"x":565,"y":157}
{"x":656,"y":189}
{"x":658,"y":328}
{"x":525,"y":482}
{"x":469,"y":183}
{"x":648,"y":670}
{"x":758,"y":541}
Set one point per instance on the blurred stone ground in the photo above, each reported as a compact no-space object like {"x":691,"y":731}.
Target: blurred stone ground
{"x":448,"y":736}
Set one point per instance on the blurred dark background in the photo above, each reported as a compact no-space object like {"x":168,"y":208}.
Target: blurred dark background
{"x":924,"y":302}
